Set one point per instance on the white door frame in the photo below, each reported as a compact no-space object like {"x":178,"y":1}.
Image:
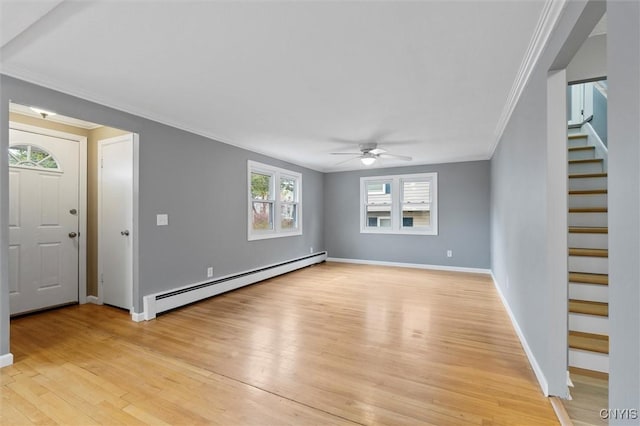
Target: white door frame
{"x":556,"y":230}
{"x":82,"y":197}
{"x":134,"y":231}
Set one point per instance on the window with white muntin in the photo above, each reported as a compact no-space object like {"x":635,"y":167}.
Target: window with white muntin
{"x":275,"y":196}
{"x":32,"y":157}
{"x":399,"y":204}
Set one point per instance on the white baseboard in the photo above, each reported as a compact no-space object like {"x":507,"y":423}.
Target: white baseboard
{"x":94,"y":300}
{"x":137,"y":317}
{"x":542,"y":380}
{"x":410,"y":265}
{"x":6,"y":360}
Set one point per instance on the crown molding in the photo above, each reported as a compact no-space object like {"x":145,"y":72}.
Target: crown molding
{"x":549,"y":17}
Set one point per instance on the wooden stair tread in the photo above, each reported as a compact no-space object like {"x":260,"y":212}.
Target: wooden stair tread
{"x":587,"y":175}
{"x":578,"y":136}
{"x":588,"y":307}
{"x":589,"y":342}
{"x":588,"y":230}
{"x":588,"y":210}
{"x":586,"y":161}
{"x":588,"y":252}
{"x":590,"y":373}
{"x":582,"y":148}
{"x":587,"y":191}
{"x":586,"y":278}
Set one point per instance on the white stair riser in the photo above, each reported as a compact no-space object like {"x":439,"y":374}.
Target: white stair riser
{"x":589,"y":360}
{"x":585,"y":168}
{"x":590,"y":265}
{"x":588,"y":183}
{"x":589,"y":323}
{"x":582,"y":154}
{"x":577,"y":142}
{"x":588,"y":219}
{"x":594,"y":241}
{"x":590,"y":200}
{"x":591,"y":292}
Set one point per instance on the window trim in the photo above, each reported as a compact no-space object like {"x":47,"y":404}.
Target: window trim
{"x":397,"y":202}
{"x":276,"y":174}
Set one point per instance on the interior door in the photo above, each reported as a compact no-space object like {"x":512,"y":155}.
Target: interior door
{"x":116,"y":221}
{"x":43,"y":221}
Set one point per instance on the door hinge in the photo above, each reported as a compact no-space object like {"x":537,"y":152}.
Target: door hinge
{"x":102,"y":162}
{"x":101,"y":278}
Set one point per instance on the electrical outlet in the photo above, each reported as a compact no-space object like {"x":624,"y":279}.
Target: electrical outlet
{"x":449,"y":253}
{"x":310,"y":249}
{"x":209,"y":271}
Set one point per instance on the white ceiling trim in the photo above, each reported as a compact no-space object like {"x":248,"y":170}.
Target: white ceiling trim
{"x":547,"y":23}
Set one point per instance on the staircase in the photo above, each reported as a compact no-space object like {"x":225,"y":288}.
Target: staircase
{"x":588,"y":258}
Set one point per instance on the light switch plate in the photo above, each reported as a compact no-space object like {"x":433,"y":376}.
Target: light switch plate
{"x":162,"y":219}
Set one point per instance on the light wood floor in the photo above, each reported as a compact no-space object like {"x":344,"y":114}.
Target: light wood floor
{"x":590,"y":395}
{"x":329,"y":344}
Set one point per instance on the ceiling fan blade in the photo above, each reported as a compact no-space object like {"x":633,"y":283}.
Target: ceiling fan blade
{"x":345,"y":153}
{"x":377,"y":151}
{"x":347,"y":160}
{"x":397,"y":157}
{"x":342,"y":140}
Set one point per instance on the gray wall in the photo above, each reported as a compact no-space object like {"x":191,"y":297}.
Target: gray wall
{"x":521,"y":214}
{"x":519,"y":194}
{"x":463,"y":218}
{"x":200,"y":183}
{"x":590,"y":61}
{"x":518,"y":222}
{"x":599,"y":122}
{"x":623,"y":52}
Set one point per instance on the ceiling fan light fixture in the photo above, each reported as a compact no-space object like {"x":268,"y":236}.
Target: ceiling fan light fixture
{"x":367,"y":161}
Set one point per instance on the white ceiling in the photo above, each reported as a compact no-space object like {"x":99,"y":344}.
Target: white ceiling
{"x":294,"y":80}
{"x":17,"y":16}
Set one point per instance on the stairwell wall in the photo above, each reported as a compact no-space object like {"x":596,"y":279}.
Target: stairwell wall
{"x":523,"y":215}
{"x":623,"y":52}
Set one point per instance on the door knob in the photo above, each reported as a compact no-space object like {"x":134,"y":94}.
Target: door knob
{"x":72,"y":235}
{"x":73,"y":212}
{"x":125,"y":232}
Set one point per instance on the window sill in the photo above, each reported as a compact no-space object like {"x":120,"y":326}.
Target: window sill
{"x":394,"y":232}
{"x":266,"y":236}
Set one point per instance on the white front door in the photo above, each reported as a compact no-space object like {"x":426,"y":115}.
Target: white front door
{"x":43,"y":221}
{"x":116,"y":220}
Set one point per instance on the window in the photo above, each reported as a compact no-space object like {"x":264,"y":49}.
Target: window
{"x":400,"y":204}
{"x":378,"y":203}
{"x":32,"y":157}
{"x":275,"y":208}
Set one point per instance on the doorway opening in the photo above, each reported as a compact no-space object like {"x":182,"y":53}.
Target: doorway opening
{"x":588,"y":228}
{"x":55,"y":223}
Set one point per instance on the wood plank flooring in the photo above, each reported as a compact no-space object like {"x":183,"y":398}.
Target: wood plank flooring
{"x":590,"y":395}
{"x":329,"y":344}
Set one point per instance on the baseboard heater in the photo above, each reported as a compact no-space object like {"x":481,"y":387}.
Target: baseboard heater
{"x":164,"y":301}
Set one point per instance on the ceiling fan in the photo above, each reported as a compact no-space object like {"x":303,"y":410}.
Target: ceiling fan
{"x":369,"y":153}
